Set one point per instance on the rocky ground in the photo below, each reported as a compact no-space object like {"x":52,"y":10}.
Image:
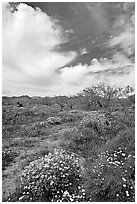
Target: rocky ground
{"x":101,"y":141}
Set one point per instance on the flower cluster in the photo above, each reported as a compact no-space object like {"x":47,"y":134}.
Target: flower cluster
{"x":40,"y":124}
{"x":97,"y":121}
{"x":55,"y":177}
{"x":118,"y":157}
{"x":54,"y":120}
{"x":113,"y":176}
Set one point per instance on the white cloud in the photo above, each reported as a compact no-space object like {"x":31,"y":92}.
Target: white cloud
{"x":118,"y":60}
{"x":29,"y":39}
{"x":74,"y":75}
{"x":83,"y":51}
{"x":30,"y":62}
{"x":126,"y":40}
{"x":118,"y":71}
{"x":69,"y":31}
{"x":123,"y":32}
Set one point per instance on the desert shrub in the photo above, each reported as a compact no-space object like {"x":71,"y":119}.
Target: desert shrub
{"x":72,"y":116}
{"x":89,"y":142}
{"x":33,"y":131}
{"x":55,"y":177}
{"x":132,"y":99}
{"x":115,"y":122}
{"x":7,"y":157}
{"x":39,"y":109}
{"x":54,"y":120}
{"x":125,"y":139}
{"x":10,"y":117}
{"x":69,"y":132}
{"x":83,"y":141}
{"x":102,"y":96}
{"x":40,"y":124}
{"x":112,"y":178}
{"x":123,"y":118}
{"x":5,"y":132}
{"x":43,"y":152}
{"x":46,"y":101}
{"x":8,"y":130}
{"x":56,"y":107}
{"x":19,"y":104}
{"x":84,"y":136}
{"x":112,"y":174}
{"x":97,"y":121}
{"x":129,"y":119}
{"x":65,"y":106}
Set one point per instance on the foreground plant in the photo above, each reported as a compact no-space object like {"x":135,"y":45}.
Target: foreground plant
{"x":55,"y":177}
{"x":112,"y":174}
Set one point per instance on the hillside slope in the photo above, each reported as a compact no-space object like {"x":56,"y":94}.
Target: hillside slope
{"x":95,"y":148}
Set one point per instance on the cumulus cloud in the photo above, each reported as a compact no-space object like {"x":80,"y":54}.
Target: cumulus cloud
{"x":31,"y":62}
{"x":118,"y":71}
{"x":29,"y":41}
{"x":74,"y":75}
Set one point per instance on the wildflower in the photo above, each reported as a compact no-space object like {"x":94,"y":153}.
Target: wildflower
{"x":21,"y":197}
{"x":79,"y":187}
{"x":55,"y":168}
{"x":123,"y":179}
{"x":127,"y":193}
{"x":51,"y":182}
{"x":65,"y":193}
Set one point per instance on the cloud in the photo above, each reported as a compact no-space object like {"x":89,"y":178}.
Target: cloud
{"x":118,"y":71}
{"x":83,"y":51}
{"x":117,"y":60}
{"x":32,"y":63}
{"x":126,"y":40}
{"x":29,"y":41}
{"x":123,"y":30}
{"x":74,"y":75}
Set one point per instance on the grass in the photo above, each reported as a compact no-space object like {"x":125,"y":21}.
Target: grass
{"x":39,"y":144}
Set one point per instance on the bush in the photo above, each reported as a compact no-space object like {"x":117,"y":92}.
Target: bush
{"x":112,"y":174}
{"x":55,"y":177}
{"x":40,"y":124}
{"x":97,"y":121}
{"x":112,"y":179}
{"x":56,"y":107}
{"x":7,"y":157}
{"x":33,"y":131}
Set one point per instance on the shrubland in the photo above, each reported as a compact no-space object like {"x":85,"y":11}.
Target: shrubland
{"x":77,"y":148}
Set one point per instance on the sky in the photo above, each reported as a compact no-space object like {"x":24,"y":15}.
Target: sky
{"x":60,"y":48}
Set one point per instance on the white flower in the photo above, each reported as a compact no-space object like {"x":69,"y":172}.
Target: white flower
{"x":127,"y":193}
{"x":79,"y":187}
{"x":51,"y":182}
{"x":123,"y":179}
{"x":21,"y":197}
{"x":65,"y":193}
